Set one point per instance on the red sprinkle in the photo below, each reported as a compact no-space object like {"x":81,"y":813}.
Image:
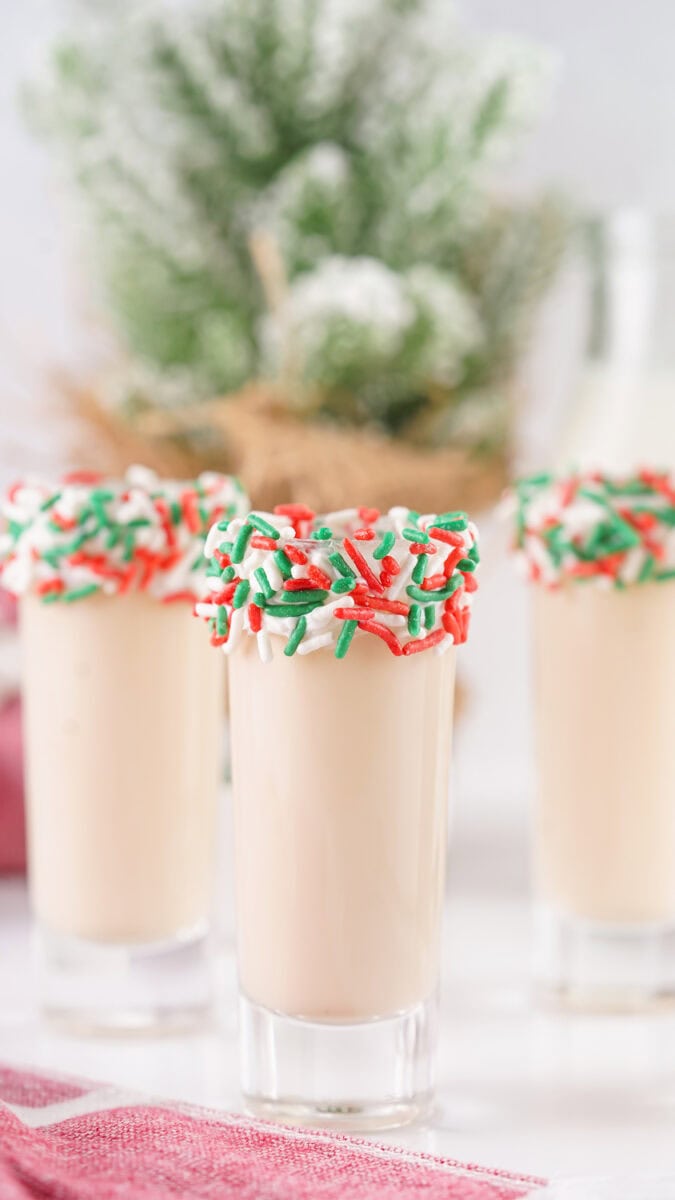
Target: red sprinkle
{"x":178,"y":597}
{"x":260,"y":542}
{"x":297,"y":556}
{"x":190,"y":508}
{"x":470,"y":582}
{"x":319,"y":577}
{"x":568,"y":491}
{"x":296,"y":512}
{"x":421,"y":548}
{"x":385,"y":633}
{"x":364,"y":535}
{"x":299,"y":585}
{"x":50,"y":585}
{"x":254,"y":617}
{"x":451,"y":625}
{"x":424,"y":643}
{"x":452,"y":560}
{"x":64,"y":523}
{"x":386,"y":579}
{"x":446,"y":535}
{"x":162,"y":509}
{"x":432,"y":582}
{"x":218,"y":640}
{"x":86,"y":477}
{"x":390,"y":565}
{"x":354,"y":613}
{"x":369,"y":515}
{"x":363,"y":568}
{"x":379,"y":604}
{"x":223,"y":560}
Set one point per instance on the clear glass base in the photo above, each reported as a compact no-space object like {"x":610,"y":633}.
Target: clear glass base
{"x":93,"y":988}
{"x":360,"y":1075}
{"x":602,"y":966}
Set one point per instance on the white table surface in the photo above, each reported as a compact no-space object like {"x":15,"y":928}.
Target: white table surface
{"x":519,"y":1087}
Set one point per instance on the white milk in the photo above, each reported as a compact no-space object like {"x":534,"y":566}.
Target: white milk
{"x":122,"y":741}
{"x":341,"y":775}
{"x":605,"y":713}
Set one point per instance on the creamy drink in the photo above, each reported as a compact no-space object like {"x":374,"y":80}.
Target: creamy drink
{"x":121,"y":825}
{"x":341,"y":636}
{"x":601,"y":552}
{"x":123,"y":706}
{"x":341,"y":849}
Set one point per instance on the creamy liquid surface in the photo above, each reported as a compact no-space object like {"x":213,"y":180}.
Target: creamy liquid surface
{"x":123,"y":711}
{"x":341,"y":776}
{"x":605,"y":718}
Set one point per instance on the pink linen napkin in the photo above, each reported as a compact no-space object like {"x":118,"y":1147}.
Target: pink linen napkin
{"x":65,"y":1140}
{"x":12,"y":825}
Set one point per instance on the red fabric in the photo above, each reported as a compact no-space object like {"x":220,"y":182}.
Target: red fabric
{"x":12,"y":824}
{"x":99,"y":1144}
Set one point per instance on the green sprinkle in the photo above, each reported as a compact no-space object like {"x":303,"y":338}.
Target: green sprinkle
{"x":429,"y":616}
{"x":291,"y":610}
{"x":212,"y":569}
{"x":386,"y":545}
{"x":241,"y":593}
{"x":129,"y":546}
{"x":341,"y":586}
{"x":50,"y":502}
{"x":323,"y":534}
{"x":81,"y":592}
{"x":241,"y":542}
{"x":341,"y":565}
{"x":345,"y":638}
{"x":305,"y":595}
{"x":296,"y":637}
{"x":222,"y":621}
{"x":413,"y":516}
{"x":263,"y":526}
{"x":284,"y":563}
{"x":51,"y":597}
{"x":414,"y":616}
{"x":456,"y":522}
{"x":466,"y":564}
{"x":260,"y":599}
{"x":420,"y":568}
{"x":227,"y":574}
{"x":224,"y":525}
{"x":175,"y":512}
{"x":439,"y":594}
{"x":137,"y":523}
{"x":261,"y":576}
{"x":664,"y":576}
{"x":415,"y":535}
{"x":647,"y":569}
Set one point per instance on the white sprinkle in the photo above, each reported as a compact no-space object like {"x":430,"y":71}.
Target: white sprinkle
{"x":315,"y":643}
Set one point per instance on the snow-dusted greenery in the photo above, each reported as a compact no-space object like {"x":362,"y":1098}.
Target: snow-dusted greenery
{"x":355,"y":145}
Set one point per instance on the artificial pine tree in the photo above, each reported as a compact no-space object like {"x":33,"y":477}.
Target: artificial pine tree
{"x":303,"y":189}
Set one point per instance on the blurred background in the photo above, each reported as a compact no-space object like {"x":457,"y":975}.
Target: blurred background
{"x":367,"y":258}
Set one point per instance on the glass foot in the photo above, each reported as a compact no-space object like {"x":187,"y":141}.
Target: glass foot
{"x":102,"y":988}
{"x":363,"y":1075}
{"x":602,"y":966}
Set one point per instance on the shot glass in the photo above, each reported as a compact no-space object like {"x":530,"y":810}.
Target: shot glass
{"x":341,"y":638}
{"x":123,"y":711}
{"x":601,"y":554}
